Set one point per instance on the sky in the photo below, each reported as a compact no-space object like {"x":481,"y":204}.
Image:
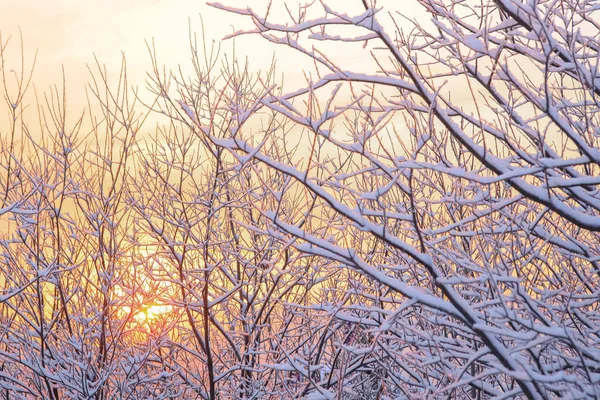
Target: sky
{"x":70,"y":32}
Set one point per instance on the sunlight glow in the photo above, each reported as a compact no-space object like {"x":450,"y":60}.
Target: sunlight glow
{"x":152,"y":312}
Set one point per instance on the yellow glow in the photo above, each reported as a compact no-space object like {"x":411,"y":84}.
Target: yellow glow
{"x":151,"y":313}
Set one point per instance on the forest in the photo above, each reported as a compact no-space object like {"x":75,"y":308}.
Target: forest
{"x":420,"y":223}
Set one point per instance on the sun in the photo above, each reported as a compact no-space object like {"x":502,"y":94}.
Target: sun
{"x":152,"y":312}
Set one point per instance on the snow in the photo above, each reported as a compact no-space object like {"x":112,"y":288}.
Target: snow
{"x":429,"y":247}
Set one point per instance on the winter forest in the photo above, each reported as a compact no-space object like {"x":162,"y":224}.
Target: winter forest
{"x":420,"y":223}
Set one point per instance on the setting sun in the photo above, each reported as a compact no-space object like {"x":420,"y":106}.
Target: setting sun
{"x":151,"y":313}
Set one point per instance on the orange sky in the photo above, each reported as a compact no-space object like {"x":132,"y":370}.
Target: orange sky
{"x":69,"y":32}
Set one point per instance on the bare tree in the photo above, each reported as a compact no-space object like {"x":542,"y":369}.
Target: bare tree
{"x":68,"y":328}
{"x":422,"y":224}
{"x":477,"y":219}
{"x":236,"y":280}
